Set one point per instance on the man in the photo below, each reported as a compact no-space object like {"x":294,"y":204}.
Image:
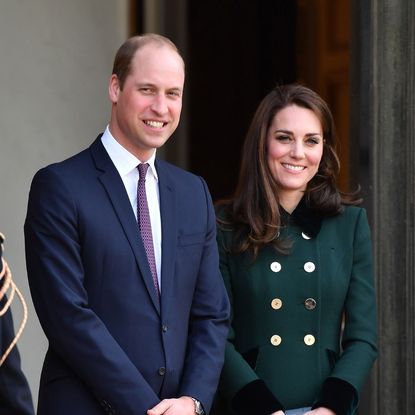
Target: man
{"x":15,"y":396}
{"x":124,"y":276}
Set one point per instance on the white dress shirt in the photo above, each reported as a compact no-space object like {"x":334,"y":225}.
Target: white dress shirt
{"x":126,"y":164}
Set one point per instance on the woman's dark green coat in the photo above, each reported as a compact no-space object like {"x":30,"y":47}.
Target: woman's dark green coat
{"x":302,"y":319}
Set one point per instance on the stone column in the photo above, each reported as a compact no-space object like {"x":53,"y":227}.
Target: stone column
{"x":382,"y":136}
{"x":169,"y":18}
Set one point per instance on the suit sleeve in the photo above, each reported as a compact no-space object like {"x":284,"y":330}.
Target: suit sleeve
{"x":241,"y":388}
{"x":209,"y":321}
{"x":340,"y":392}
{"x":56,"y":278}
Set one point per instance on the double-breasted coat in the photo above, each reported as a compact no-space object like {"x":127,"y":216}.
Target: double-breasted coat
{"x":302,"y":318}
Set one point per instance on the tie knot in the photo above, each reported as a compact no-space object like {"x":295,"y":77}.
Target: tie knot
{"x":142,"y":169}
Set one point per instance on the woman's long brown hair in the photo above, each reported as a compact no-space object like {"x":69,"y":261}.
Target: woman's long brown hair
{"x":253,"y":213}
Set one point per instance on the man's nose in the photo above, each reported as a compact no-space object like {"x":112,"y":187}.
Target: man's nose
{"x":159,"y":104}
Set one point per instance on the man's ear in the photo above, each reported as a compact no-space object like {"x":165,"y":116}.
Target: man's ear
{"x":114,"y":88}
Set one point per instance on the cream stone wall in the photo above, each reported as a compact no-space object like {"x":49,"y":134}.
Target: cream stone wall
{"x":56,"y":58}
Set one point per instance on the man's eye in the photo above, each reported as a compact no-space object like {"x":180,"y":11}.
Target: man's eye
{"x":175,"y":94}
{"x":146,"y":90}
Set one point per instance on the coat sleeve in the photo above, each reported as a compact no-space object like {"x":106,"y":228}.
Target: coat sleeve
{"x":240,"y":387}
{"x":56,"y":279}
{"x":359,"y":339}
{"x":15,"y":396}
{"x":209,"y":321}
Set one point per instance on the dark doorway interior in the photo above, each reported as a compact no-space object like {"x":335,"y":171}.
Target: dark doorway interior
{"x":237,"y":51}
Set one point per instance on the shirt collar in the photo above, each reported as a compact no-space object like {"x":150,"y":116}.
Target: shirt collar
{"x":124,"y":161}
{"x":304,"y":216}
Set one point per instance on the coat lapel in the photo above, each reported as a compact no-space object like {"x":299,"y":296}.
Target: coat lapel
{"x":114,"y":187}
{"x":168,"y":212}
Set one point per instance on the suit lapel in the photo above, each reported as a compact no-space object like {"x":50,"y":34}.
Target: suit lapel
{"x":168,"y":212}
{"x":115,"y":189}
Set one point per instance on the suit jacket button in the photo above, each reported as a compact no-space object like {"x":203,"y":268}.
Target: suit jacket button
{"x":276,"y":303}
{"x":164,"y":328}
{"x":276,"y":340}
{"x":275,"y":266}
{"x":309,"y":267}
{"x":162,"y":371}
{"x":309,"y":339}
{"x":310,"y":303}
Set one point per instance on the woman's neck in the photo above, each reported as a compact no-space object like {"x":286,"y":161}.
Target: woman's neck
{"x":289,"y":201}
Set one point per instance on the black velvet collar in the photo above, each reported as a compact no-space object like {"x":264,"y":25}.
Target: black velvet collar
{"x":305,"y":217}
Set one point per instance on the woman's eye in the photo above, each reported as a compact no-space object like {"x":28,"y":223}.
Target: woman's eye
{"x":283,"y":138}
{"x":313,"y":140}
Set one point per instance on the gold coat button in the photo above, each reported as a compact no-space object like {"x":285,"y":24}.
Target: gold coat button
{"x":276,"y":340}
{"x":305,"y":236}
{"x":275,"y":267}
{"x":276,"y":303}
{"x":310,"y":303}
{"x":309,"y":339}
{"x":309,"y":267}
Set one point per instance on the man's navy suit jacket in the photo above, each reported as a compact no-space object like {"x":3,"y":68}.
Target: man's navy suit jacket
{"x":114,"y":346}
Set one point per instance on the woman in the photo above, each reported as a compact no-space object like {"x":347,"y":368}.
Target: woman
{"x":296,"y":259}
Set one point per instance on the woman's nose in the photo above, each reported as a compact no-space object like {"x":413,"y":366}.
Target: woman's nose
{"x":297,"y":150}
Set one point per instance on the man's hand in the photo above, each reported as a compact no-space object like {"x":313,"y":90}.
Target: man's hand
{"x":181,"y":406}
{"x":320,"y":411}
